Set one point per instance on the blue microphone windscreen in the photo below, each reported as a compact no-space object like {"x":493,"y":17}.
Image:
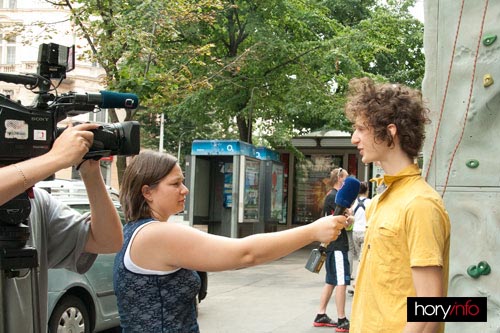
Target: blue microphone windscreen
{"x":348,"y":192}
{"x":111,"y":99}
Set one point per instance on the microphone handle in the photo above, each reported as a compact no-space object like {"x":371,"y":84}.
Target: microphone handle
{"x":318,"y":256}
{"x":339,"y":210}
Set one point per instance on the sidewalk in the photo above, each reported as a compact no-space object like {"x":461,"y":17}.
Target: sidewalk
{"x":281,"y":296}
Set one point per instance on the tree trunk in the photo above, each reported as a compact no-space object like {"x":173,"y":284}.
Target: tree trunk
{"x":244,"y":129}
{"x":121,"y":164}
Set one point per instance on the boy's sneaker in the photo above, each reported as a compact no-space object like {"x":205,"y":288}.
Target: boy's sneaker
{"x":342,"y":325}
{"x":322,"y":320}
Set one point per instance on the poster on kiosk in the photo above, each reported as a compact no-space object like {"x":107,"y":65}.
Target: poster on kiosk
{"x":249,"y":190}
{"x":272,"y":186}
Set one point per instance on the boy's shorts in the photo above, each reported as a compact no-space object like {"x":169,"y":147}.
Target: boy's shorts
{"x":337,"y":269}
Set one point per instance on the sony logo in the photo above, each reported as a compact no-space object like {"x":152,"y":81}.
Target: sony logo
{"x":40,"y":119}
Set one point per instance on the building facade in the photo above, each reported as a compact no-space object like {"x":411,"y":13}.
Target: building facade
{"x":20,"y":38}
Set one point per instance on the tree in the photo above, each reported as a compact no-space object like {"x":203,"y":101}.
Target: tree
{"x":269,"y":54}
{"x":285,"y":65}
{"x":228,"y":68}
{"x":390,"y":45}
{"x":135,"y":42}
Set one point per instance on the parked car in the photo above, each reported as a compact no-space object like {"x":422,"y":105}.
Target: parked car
{"x":81,"y":302}
{"x":85,"y":302}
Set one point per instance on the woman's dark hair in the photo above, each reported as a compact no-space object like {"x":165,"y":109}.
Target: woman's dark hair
{"x":147,"y":168}
{"x":363,"y":187}
{"x":380,"y":105}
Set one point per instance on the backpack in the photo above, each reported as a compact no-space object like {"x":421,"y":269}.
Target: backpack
{"x":360,"y":205}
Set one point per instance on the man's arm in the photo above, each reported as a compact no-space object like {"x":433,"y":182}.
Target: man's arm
{"x":67,"y":150}
{"x":428,"y":282}
{"x":106,"y":235}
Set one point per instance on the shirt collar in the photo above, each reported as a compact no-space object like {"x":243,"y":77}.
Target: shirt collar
{"x":410,"y":171}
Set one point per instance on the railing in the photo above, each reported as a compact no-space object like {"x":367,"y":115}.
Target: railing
{"x":8,"y":68}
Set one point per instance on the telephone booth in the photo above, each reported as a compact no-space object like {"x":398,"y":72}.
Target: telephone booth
{"x":223,"y":177}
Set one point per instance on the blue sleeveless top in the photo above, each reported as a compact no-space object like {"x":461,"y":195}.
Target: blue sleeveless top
{"x":154,"y":303}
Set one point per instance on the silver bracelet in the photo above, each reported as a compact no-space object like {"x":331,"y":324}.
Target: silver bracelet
{"x":22,"y":175}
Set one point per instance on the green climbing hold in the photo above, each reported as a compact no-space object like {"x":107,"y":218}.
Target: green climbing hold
{"x":473,"y":272}
{"x":489,"y":39}
{"x":472,"y":164}
{"x":483,"y":268}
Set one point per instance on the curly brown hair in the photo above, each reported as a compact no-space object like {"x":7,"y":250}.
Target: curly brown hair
{"x":382,"y":104}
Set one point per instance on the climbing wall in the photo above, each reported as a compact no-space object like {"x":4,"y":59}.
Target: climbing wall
{"x":462,"y":149}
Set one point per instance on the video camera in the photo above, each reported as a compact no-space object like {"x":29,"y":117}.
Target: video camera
{"x":29,"y":131}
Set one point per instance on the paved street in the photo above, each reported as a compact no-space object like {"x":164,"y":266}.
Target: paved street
{"x":277,"y":297}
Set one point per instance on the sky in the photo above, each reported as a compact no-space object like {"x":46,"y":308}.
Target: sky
{"x":418,"y":10}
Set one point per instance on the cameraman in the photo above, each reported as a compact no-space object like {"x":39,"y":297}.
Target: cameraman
{"x":62,"y":237}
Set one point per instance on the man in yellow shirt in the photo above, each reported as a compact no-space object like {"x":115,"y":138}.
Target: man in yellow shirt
{"x":406,"y":248}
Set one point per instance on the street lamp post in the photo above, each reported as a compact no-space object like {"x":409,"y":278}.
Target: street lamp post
{"x":179,"y":146}
{"x":162,"y":120}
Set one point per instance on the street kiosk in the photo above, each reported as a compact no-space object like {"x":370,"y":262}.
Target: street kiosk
{"x":223,"y":177}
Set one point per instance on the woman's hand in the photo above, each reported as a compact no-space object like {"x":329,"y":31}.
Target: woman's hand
{"x":328,"y":228}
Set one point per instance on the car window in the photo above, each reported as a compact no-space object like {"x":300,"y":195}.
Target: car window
{"x":84,"y":208}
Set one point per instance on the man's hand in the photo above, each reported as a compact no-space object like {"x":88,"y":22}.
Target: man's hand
{"x":74,"y":142}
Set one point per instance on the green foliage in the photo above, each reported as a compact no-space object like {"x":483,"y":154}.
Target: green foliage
{"x":390,"y":45}
{"x":273,"y":62}
{"x":350,"y":12}
{"x":232,"y":68}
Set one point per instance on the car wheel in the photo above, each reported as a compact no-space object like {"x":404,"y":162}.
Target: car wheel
{"x":69,"y":315}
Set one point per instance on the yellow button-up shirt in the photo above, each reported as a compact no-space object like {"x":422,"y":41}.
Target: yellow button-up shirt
{"x":408,"y":226}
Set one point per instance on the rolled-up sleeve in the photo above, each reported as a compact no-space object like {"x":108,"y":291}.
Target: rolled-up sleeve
{"x":65,"y":233}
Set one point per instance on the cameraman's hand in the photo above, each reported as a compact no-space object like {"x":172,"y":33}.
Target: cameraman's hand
{"x":328,"y":228}
{"x":73,"y":143}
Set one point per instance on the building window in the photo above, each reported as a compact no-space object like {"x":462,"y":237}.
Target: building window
{"x":7,"y":50}
{"x":10,"y":4}
{"x":11,"y":55}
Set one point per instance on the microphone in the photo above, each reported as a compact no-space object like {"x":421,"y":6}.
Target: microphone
{"x":343,"y":200}
{"x":108,"y":99}
{"x":346,"y":195}
{"x":112,"y":99}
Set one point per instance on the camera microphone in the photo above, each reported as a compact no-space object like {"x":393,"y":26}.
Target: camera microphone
{"x":108,"y":99}
{"x":343,"y":200}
